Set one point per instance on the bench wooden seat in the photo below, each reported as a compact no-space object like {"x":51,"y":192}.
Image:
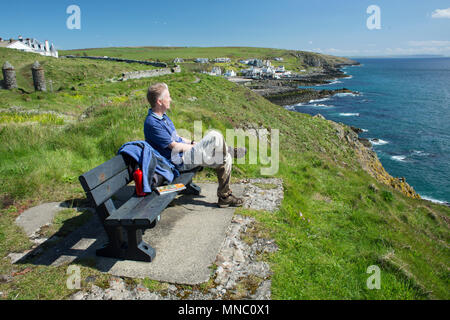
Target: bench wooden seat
{"x":126,"y":224}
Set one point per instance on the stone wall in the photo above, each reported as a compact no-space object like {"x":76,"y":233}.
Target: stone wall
{"x":149,"y":73}
{"x":149,"y":63}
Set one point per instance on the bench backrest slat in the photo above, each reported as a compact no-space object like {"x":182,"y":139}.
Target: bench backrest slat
{"x":95,"y":177}
{"x":102,"y":182}
{"x":106,"y":190}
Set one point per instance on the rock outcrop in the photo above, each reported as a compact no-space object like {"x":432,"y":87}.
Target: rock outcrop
{"x":369,"y":161}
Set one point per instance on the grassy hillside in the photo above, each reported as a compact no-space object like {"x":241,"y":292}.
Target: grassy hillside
{"x":335,"y":220}
{"x":64,"y":73}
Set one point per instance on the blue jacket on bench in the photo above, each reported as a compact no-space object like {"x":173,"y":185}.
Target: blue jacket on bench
{"x":142,"y":152}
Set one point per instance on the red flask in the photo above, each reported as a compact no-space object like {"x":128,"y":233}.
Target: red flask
{"x":137,"y":175}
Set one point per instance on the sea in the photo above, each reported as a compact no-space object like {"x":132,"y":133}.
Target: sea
{"x":403,"y":107}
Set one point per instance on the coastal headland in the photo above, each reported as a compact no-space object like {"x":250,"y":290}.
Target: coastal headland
{"x":341,"y":213}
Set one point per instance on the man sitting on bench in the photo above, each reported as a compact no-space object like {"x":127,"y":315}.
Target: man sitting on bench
{"x":211,"y":151}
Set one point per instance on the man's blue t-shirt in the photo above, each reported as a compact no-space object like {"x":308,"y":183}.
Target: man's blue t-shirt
{"x":159,"y":132}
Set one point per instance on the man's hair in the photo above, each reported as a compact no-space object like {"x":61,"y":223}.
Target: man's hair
{"x":155,"y":91}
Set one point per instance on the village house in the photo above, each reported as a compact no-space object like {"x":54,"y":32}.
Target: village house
{"x":222,"y":60}
{"x":230,"y":73}
{"x":252,"y":72}
{"x":178,"y":60}
{"x":265,"y":72}
{"x":201,"y":60}
{"x":280,"y":69}
{"x":253,"y":62}
{"x":216,"y":71}
{"x":256,"y":62}
{"x":267,"y":63}
{"x":278,"y":59}
{"x":268,"y":71}
{"x":30,"y":45}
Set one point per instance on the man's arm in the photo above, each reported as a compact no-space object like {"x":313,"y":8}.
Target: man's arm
{"x":186,"y":140}
{"x":180,"y":147}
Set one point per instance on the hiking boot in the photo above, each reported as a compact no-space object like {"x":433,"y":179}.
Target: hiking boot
{"x":237,"y":153}
{"x":230,"y":201}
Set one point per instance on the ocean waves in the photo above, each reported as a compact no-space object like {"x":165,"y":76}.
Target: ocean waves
{"x":311,"y":103}
{"x":378,"y":142}
{"x":347,"y":94}
{"x":349,"y":114}
{"x":435,"y":200}
{"x":414,"y":155}
{"x":400,"y":158}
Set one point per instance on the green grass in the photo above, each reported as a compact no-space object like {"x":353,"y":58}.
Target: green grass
{"x":14,"y":117}
{"x":345,"y":225}
{"x":167,"y":54}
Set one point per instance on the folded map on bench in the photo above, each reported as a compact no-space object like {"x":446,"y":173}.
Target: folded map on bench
{"x":170,"y":188}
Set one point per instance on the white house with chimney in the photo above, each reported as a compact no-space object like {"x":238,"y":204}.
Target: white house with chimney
{"x":230,"y":73}
{"x":216,"y":71}
{"x":30,"y":45}
{"x":222,"y":60}
{"x":202,"y":60}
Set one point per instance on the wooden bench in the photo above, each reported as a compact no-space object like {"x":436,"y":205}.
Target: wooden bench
{"x":126,"y":224}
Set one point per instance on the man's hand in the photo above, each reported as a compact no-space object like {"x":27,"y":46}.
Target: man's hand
{"x":187,"y":141}
{"x":180,"y":147}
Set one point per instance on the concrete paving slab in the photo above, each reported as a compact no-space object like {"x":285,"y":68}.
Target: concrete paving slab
{"x":187,"y":240}
{"x":33,"y":219}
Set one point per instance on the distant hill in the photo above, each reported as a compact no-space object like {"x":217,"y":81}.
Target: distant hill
{"x":292,"y":59}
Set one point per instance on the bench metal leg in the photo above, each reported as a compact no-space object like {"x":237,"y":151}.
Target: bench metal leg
{"x":131,"y":249}
{"x":192,"y":188}
{"x":137,"y":249}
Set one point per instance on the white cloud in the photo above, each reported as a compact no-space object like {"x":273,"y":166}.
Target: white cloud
{"x":419,"y":50}
{"x":415,"y":48}
{"x":340,"y":51}
{"x":429,"y":43}
{"x":441,"y":13}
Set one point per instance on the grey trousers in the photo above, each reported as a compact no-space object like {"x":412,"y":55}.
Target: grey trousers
{"x":212,"y":152}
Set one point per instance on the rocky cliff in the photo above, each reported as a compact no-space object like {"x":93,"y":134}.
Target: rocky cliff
{"x":368,"y":158}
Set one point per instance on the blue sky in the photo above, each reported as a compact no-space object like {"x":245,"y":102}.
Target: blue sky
{"x":326,"y":26}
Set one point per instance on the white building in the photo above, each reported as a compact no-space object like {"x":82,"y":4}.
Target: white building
{"x":30,"y":45}
{"x":252,"y":72}
{"x":222,"y":60}
{"x":202,"y":60}
{"x":216,"y":71}
{"x":230,"y":73}
{"x":268,"y":71}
